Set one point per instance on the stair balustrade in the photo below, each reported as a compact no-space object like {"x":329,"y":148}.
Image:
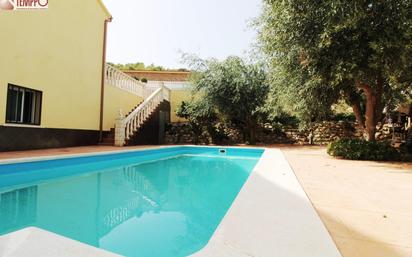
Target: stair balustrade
{"x":119,"y":79}
{"x":126,"y":127}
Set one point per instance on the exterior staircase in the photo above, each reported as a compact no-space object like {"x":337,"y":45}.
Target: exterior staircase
{"x":108,"y":137}
{"x":128,"y":126}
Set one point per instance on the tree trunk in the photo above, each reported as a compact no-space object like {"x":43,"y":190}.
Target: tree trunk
{"x":353,"y":98}
{"x":245,"y":135}
{"x":379,"y":105}
{"x":251,"y":130}
{"x":370,"y":119}
{"x":358,"y":114}
{"x":373,"y":108}
{"x":196,"y":133}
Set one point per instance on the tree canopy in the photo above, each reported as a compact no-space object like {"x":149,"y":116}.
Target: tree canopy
{"x":142,"y":66}
{"x":322,"y":51}
{"x":139,"y":66}
{"x":234,"y":89}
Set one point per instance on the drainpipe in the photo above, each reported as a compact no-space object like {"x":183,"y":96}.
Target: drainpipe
{"x":103,"y":79}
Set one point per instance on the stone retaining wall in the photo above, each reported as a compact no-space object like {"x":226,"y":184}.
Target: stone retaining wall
{"x":321,"y":133}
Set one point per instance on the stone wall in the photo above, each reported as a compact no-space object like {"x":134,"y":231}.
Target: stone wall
{"x":384,"y":132}
{"x":321,"y":133}
{"x":324,"y":132}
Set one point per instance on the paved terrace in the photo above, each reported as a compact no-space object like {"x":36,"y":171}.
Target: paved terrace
{"x":366,"y":206}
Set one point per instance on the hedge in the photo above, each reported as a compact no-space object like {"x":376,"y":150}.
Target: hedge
{"x":357,"y":149}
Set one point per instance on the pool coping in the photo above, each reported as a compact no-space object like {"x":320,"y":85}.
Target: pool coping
{"x":272,"y":216}
{"x":68,"y":156}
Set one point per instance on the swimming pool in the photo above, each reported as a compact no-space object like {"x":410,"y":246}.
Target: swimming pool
{"x":161,"y":202}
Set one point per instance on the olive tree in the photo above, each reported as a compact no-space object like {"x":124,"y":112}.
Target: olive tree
{"x":199,"y":114}
{"x":321,"y":51}
{"x":236,"y":90}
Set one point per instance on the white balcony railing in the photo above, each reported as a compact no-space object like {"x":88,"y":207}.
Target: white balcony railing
{"x":117,"y":78}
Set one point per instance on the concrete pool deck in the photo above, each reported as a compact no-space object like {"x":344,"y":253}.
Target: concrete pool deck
{"x":366,"y":206}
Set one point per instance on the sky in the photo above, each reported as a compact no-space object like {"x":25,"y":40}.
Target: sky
{"x":159,"y":31}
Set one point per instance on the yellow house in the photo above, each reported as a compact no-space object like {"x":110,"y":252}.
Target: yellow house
{"x":55,"y":88}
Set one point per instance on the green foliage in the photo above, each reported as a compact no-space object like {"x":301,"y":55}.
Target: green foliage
{"x":130,"y":66}
{"x":200,"y":115}
{"x":235,"y":89}
{"x":285,"y":119}
{"x":197,"y":111}
{"x":356,"y":149}
{"x":144,"y":80}
{"x":142,"y":67}
{"x":153,"y":67}
{"x":322,"y":51}
{"x":138,"y":66}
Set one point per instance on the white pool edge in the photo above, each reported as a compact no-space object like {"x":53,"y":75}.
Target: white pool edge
{"x":271,"y":217}
{"x":68,"y":156}
{"x":89,"y":154}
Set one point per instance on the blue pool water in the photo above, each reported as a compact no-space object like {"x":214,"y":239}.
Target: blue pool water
{"x":164,"y":202}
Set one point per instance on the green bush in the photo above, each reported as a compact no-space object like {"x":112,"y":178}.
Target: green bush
{"x":357,"y":149}
{"x":286,"y":119}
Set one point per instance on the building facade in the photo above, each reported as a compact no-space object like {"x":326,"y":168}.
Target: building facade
{"x":52,"y":71}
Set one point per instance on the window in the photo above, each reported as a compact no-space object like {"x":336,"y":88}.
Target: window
{"x":23,"y":105}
